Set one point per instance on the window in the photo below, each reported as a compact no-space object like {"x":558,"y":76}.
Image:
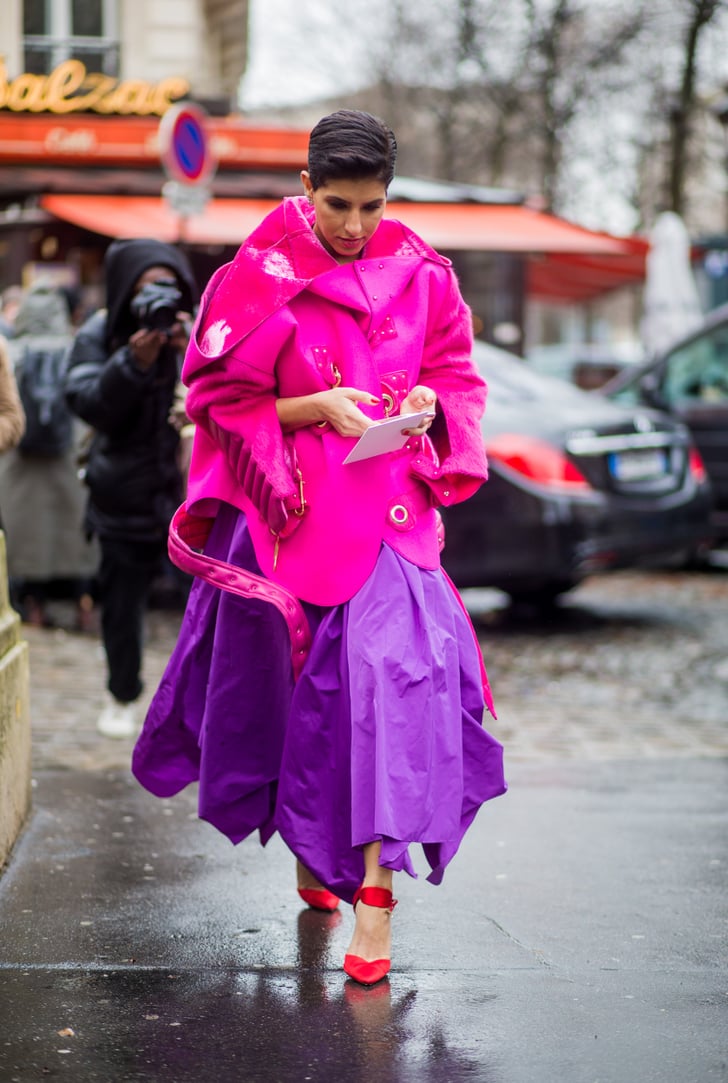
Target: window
{"x":87,"y":19}
{"x":57,"y":30}
{"x":34,"y":17}
{"x":698,"y":371}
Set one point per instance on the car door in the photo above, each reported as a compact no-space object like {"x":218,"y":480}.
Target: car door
{"x":693,"y":381}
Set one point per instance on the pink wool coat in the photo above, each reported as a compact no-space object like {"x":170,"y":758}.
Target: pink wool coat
{"x":285,"y":319}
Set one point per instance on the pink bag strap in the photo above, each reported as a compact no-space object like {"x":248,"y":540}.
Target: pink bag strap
{"x":487,"y":694}
{"x":188,"y":533}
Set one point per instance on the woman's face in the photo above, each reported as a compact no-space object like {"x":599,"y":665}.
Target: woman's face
{"x":347,"y":213}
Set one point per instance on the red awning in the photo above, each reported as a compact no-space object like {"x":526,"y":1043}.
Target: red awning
{"x":566,"y":262}
{"x":573,"y":277}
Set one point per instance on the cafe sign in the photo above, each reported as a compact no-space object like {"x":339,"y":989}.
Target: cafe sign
{"x":70,"y":88}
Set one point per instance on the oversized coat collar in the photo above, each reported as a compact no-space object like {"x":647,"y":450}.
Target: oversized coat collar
{"x":281,"y":258}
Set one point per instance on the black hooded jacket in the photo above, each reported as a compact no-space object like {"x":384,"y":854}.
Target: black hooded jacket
{"x":132,"y":474}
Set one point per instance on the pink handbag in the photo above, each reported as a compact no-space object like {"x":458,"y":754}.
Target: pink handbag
{"x":189,"y":533}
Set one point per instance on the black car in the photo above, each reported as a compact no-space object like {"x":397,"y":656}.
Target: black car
{"x":690,"y":380}
{"x":577,"y":485}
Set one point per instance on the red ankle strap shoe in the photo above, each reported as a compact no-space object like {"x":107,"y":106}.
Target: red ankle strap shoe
{"x":319,"y":898}
{"x":365,"y":971}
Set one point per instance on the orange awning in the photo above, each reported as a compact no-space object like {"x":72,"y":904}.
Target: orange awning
{"x":567,"y":262}
{"x":224,"y":221}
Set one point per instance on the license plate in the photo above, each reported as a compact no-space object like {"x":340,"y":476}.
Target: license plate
{"x":638,"y":465}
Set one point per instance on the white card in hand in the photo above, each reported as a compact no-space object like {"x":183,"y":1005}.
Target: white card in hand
{"x":385,"y":436}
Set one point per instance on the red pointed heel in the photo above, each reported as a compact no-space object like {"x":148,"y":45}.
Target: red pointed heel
{"x":365,"y":971}
{"x":319,"y":898}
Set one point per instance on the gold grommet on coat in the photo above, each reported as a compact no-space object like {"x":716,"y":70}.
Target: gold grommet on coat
{"x":388,"y":403}
{"x":399,"y":514}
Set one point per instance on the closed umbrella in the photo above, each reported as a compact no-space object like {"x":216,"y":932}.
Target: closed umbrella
{"x":671,"y":305}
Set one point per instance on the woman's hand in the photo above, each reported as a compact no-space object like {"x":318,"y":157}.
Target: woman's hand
{"x":337,"y":406}
{"x":420,"y":398}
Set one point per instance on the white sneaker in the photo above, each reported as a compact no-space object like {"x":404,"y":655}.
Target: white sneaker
{"x":118,"y":719}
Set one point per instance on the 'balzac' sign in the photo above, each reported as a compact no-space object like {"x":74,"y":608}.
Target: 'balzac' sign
{"x":71,"y":89}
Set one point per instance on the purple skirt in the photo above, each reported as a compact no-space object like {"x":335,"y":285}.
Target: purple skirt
{"x":381,"y":738}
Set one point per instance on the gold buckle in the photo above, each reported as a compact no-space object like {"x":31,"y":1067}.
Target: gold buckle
{"x":301,"y":498}
{"x":296,"y":511}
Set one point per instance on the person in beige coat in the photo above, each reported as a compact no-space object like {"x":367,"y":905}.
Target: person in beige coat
{"x":12,"y":419}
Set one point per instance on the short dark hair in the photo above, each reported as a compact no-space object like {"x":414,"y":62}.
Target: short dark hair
{"x":351,"y":143}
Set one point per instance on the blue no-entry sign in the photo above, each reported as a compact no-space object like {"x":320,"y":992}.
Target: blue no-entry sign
{"x":184,"y":144}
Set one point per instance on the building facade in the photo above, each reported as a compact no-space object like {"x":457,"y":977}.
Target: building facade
{"x":84,"y":85}
{"x":86,"y":90}
{"x":204,"y":42}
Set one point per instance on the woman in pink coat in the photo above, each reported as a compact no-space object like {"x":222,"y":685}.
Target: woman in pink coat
{"x":327,"y":683}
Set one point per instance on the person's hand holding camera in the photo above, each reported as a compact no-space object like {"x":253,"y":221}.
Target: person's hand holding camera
{"x":179,"y":332}
{"x":145,"y":345}
{"x":147,"y":342}
{"x":154,"y":305}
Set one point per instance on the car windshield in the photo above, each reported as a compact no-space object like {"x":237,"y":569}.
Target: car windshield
{"x":625,"y":390}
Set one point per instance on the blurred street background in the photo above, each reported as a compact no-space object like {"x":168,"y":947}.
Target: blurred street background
{"x":571,"y":158}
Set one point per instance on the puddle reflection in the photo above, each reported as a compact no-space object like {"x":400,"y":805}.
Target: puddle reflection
{"x":306,"y":1024}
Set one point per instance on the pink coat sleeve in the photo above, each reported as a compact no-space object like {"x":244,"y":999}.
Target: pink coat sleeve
{"x":459,"y":466}
{"x":232,"y":399}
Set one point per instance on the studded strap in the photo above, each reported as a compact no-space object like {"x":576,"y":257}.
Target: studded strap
{"x":188,"y":533}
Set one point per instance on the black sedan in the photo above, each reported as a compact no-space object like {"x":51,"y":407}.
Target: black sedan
{"x":577,"y":485}
{"x":690,"y":380}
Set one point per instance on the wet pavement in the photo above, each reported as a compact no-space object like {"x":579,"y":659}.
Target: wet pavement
{"x":578,"y":937}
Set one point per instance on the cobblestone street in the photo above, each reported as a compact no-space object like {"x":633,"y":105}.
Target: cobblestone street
{"x":631,"y":665}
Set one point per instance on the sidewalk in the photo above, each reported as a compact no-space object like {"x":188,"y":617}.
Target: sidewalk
{"x":67,"y":682}
{"x":579,"y":937}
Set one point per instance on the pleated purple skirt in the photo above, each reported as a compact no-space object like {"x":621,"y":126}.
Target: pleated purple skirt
{"x":381,"y":738}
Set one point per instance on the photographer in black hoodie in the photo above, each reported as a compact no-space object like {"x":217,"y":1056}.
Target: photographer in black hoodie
{"x":123,"y":368}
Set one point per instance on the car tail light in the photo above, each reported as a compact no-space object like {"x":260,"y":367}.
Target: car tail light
{"x":697,"y":466}
{"x":541,"y":463}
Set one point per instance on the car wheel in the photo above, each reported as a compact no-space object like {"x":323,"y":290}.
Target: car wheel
{"x":544,"y":597}
{"x":697,"y":559}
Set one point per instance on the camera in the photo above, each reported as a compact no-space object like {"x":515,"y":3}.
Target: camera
{"x":156,"y":305}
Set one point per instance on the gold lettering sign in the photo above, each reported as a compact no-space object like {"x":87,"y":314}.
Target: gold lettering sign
{"x":71,"y":89}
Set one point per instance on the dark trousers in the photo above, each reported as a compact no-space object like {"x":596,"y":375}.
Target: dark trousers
{"x":128,"y":569}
